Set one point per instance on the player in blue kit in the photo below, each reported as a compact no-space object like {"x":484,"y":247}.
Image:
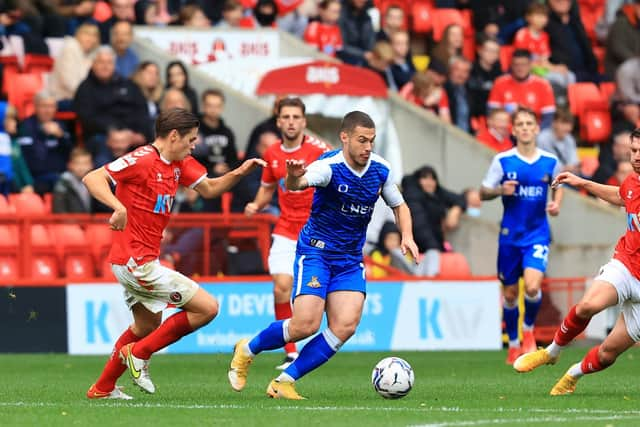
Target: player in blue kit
{"x":522,"y":176}
{"x":329,"y":275}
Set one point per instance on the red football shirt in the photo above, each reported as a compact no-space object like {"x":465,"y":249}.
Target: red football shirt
{"x":146,"y":185}
{"x":628,"y":248}
{"x":534,"y":93}
{"x":538,"y":45}
{"x":295,"y":206}
{"x":493,"y":141}
{"x":327,"y":38}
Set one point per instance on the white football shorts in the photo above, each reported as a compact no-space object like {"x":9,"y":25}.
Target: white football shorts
{"x":628,"y":288}
{"x":154,"y":285}
{"x":282,"y":255}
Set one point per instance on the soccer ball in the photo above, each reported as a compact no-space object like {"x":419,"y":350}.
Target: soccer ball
{"x":392,"y":378}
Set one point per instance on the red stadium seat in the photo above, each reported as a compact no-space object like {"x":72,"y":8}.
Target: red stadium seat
{"x":41,"y":240}
{"x":8,"y":269}
{"x":102,"y":11}
{"x":454,"y":264}
{"x":469,"y":48}
{"x":442,"y":18}
{"x":10,"y":68}
{"x":106,"y":271}
{"x":8,"y":239}
{"x":607,"y":89}
{"x":78,"y":267}
{"x":100,"y":237}
{"x":22,"y":90}
{"x":44,"y":268}
{"x":27,"y":204}
{"x":589,"y":165}
{"x":595,"y":126}
{"x":585,"y":96}
{"x":421,"y":17}
{"x":5,"y":207}
{"x":37,"y":64}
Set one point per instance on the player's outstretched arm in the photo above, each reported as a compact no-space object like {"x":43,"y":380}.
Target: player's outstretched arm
{"x":214,"y":187}
{"x":403,"y":219}
{"x":295,"y":179}
{"x":263,"y":197}
{"x":608,"y":193}
{"x":98,"y":183}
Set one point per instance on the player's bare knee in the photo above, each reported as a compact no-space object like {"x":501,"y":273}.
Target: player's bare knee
{"x":344,"y":332}
{"x":586,"y":309}
{"x":607,"y":356}
{"x":300,"y":329}
{"x":210,"y":310}
{"x":281,"y":293}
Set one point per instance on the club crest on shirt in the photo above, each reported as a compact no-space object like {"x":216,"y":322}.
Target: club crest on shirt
{"x":176,"y":174}
{"x":512,"y":175}
{"x":314,"y":283}
{"x":629,"y":194}
{"x":545,"y":178}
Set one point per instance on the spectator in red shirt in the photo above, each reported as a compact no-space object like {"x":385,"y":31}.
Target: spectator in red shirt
{"x":424,"y":91}
{"x":497,"y":135}
{"x":521,"y":88}
{"x":535,"y":39}
{"x":325,"y":33}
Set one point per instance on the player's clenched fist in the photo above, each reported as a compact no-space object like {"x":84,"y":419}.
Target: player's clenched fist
{"x":295,"y":167}
{"x":118,"y":219}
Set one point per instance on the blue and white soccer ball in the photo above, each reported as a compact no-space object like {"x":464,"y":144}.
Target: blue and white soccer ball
{"x":392,"y":378}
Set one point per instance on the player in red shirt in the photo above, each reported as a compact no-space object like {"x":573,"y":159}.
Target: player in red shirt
{"x":521,"y":88}
{"x":295,"y":206}
{"x":617,"y":283}
{"x":146,"y":183}
{"x":325,"y":34}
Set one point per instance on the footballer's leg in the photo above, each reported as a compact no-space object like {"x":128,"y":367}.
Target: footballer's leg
{"x":509,"y":271}
{"x":281,"y":260}
{"x":600,"y":295}
{"x":601,"y":356}
{"x":282,"y":284}
{"x":532,"y":302}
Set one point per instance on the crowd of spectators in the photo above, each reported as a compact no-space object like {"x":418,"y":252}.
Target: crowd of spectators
{"x":116,"y":97}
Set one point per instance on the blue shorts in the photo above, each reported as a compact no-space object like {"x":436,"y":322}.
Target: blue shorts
{"x":512,"y":260}
{"x":314,"y":274}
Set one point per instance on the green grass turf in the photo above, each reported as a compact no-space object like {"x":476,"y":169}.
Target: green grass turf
{"x":452,"y":389}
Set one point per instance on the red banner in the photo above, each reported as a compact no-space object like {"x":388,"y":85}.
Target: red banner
{"x":322,"y":77}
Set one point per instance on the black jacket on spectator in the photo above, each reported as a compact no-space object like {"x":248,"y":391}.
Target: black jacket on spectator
{"x":479,"y":85}
{"x":44,"y":154}
{"x":570,"y":46}
{"x":454,"y":107}
{"x":118,"y":103}
{"x":358,"y":35}
{"x":428,"y":211}
{"x":71,"y":196}
{"x":267,"y":125}
{"x":402,"y":74}
{"x":217,"y":145}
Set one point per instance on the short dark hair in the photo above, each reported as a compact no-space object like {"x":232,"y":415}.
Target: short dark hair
{"x":636,"y":132}
{"x":176,"y":118}
{"x":213,"y":92}
{"x":539,"y":8}
{"x":354,"y":119}
{"x":563,"y":115}
{"x":521,"y":53}
{"x":290,"y":102}
{"x":523,"y":110}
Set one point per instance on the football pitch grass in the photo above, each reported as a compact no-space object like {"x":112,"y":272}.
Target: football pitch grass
{"x":451,"y":389}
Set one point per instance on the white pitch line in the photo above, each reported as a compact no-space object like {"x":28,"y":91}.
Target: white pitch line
{"x":425,"y":409}
{"x":527,"y":421}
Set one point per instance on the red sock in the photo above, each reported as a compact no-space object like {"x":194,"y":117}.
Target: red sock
{"x":591,"y":363}
{"x":171,"y":330}
{"x":571,"y":326}
{"x":283,"y":311}
{"x":114,"y":366}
